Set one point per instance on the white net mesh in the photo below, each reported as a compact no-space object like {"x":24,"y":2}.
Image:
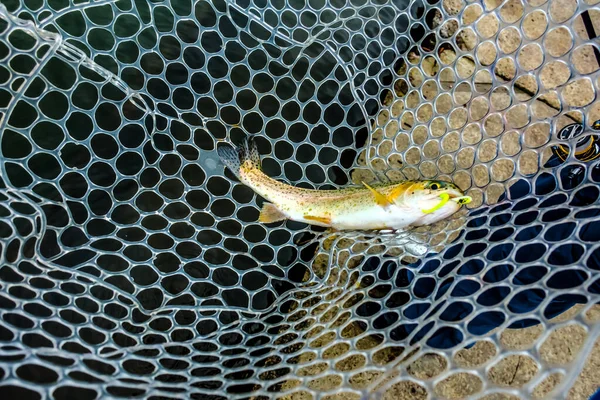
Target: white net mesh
{"x":132,"y":263}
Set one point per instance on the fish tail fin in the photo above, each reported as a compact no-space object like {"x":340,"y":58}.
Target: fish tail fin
{"x":270,"y":213}
{"x":234,"y":158}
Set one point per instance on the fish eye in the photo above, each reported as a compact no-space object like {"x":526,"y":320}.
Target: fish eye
{"x":434,"y":186}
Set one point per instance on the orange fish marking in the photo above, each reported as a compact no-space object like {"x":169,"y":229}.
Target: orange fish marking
{"x":324,"y":220}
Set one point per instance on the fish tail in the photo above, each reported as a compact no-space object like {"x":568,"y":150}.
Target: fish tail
{"x":235,"y":158}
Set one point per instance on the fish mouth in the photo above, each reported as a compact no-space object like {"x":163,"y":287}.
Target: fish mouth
{"x":457,"y":197}
{"x":447,"y":196}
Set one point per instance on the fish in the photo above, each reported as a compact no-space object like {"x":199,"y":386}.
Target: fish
{"x":368,"y":207}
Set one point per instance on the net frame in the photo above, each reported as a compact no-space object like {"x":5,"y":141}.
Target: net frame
{"x":314,"y":305}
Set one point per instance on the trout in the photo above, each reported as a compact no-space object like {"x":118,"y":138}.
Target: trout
{"x":377,"y":207}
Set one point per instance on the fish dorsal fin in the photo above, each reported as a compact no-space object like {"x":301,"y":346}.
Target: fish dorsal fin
{"x":380,"y":198}
{"x":270,"y":213}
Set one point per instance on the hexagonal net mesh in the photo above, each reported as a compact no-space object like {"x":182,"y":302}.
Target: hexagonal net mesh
{"x":132,"y":263}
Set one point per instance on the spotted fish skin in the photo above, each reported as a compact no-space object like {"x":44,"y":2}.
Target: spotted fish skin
{"x":393,"y":206}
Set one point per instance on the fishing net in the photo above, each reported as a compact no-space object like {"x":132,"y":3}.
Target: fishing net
{"x":132,"y":264}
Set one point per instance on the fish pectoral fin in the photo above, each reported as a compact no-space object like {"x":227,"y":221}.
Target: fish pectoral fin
{"x":323,"y":220}
{"x":270,"y":213}
{"x":380,"y":198}
{"x":445,"y":198}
